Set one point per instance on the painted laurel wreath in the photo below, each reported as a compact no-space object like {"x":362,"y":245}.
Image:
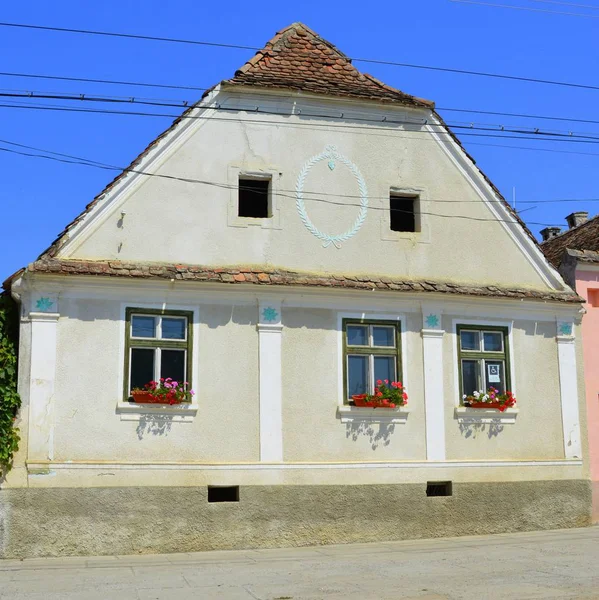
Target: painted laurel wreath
{"x":331,"y":153}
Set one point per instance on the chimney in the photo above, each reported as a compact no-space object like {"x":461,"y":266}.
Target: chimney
{"x":550,"y":232}
{"x":577,"y":218}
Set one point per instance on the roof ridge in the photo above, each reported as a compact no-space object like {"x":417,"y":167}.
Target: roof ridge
{"x":298,"y":58}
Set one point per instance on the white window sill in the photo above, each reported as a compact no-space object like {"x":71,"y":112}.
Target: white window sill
{"x":352,"y":414}
{"x":176,"y":413}
{"x":465,"y":414}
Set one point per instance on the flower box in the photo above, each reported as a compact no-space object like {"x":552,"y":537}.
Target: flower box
{"x":360,"y":400}
{"x":149,"y":398}
{"x":491,"y":399}
{"x":484,"y":405}
{"x":164,"y":391}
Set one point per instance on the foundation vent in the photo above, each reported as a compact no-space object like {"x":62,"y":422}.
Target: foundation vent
{"x":439,"y":488}
{"x":221,"y":493}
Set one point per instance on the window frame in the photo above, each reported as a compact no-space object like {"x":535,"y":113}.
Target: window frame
{"x":396,"y":351}
{"x":482,"y":354}
{"x":416,"y":213}
{"x":267,"y":178}
{"x":156,"y":343}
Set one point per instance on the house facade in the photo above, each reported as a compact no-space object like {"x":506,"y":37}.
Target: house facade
{"x":575,"y":253}
{"x":301,"y":233}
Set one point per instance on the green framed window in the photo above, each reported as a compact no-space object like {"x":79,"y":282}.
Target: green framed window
{"x":371,"y":351}
{"x":483,"y":358}
{"x":157,"y":345}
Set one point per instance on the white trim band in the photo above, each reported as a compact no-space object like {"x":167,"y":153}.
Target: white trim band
{"x":36,"y":465}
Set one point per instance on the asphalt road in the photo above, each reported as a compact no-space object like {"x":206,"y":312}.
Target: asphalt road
{"x":556,"y":564}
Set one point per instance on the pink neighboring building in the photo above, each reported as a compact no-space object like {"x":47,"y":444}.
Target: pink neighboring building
{"x":575,"y":253}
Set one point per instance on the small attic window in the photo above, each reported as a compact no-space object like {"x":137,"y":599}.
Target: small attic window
{"x":403,"y":212}
{"x":254,"y":197}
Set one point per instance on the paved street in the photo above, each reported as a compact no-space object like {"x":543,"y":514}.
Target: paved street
{"x":556,"y":564}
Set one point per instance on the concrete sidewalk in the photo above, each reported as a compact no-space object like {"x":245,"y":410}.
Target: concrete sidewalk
{"x":555,"y":564}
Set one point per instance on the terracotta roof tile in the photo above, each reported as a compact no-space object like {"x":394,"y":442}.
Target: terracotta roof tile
{"x":297,"y":58}
{"x":584,"y":237}
{"x":272,"y":276}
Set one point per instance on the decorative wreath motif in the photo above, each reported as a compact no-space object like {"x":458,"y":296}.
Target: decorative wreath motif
{"x":331,"y":154}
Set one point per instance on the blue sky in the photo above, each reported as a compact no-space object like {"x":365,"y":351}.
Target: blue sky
{"x":39,"y":197}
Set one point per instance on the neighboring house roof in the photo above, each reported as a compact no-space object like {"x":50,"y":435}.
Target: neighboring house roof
{"x":273,"y":276}
{"x":584,"y":238}
{"x":298,"y":58}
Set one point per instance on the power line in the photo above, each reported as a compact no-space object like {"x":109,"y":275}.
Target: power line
{"x":570,"y":4}
{"x":106,"y":81}
{"x":202,"y":89}
{"x":86,"y":163}
{"x":500,"y":134}
{"x":255,"y":48}
{"x":79,"y":159}
{"x":529,"y":8}
{"x":184,"y":103}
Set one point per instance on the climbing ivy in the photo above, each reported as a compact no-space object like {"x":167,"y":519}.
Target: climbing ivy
{"x":9,"y":398}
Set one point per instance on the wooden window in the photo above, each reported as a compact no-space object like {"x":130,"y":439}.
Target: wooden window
{"x":483,"y":357}
{"x":157,"y":345}
{"x":254,"y":198}
{"x":403,"y":213}
{"x":371,"y":351}
{"x":593,"y":295}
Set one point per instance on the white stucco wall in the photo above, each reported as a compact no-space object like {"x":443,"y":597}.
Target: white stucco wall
{"x":92,"y":446}
{"x":175,"y":221}
{"x":90,"y":359}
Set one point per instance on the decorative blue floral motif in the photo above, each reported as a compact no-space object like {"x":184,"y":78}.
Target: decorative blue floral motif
{"x":332,"y":165}
{"x":565,"y":328}
{"x":44,"y":304}
{"x":432,"y":321}
{"x":270,"y":314}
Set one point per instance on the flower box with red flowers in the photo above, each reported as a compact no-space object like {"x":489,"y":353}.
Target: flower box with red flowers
{"x":491,"y":399}
{"x":165,"y":391}
{"x":386,"y":395}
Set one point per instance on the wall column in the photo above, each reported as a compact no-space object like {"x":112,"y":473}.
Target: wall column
{"x":44,"y":325}
{"x":568,"y":383}
{"x":270,"y":330}
{"x":434,"y":404}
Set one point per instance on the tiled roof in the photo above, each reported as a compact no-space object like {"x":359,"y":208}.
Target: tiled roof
{"x":297,"y":58}
{"x":265,"y":276}
{"x":583,"y":237}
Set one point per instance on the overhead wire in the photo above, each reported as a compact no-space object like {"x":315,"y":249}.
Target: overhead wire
{"x":499,"y":133}
{"x":71,"y":159}
{"x":82,"y":97}
{"x":256,"y":48}
{"x":528,"y":8}
{"x":203,"y":89}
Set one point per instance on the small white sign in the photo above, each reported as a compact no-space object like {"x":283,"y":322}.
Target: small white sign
{"x":493,"y":371}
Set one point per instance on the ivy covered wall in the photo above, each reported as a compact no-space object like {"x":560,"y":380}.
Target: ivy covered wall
{"x":9,"y":398}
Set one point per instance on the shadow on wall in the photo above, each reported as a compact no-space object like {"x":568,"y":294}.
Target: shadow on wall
{"x":469,"y":430}
{"x":379,"y":433}
{"x":154,"y":425}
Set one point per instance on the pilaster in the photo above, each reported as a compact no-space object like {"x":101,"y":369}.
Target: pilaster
{"x":568,"y":381}
{"x":270,"y":330}
{"x":44,"y":325}
{"x":434,"y":404}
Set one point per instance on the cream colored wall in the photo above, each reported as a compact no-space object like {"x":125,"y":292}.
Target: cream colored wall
{"x":88,"y":363}
{"x":174,"y":221}
{"x":311,"y":429}
{"x":87,"y":427}
{"x":537,"y":433}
